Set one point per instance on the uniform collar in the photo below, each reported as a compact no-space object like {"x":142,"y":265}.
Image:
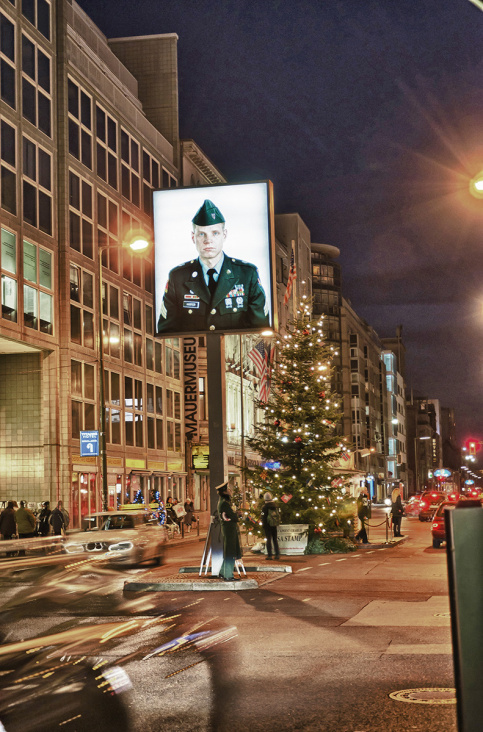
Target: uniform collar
{"x":217,"y":267}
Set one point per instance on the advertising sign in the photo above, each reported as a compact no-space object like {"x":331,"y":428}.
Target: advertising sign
{"x":214,"y":266}
{"x":89,"y":443}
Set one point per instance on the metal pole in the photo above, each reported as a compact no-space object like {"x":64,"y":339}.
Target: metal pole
{"x":102,"y":401}
{"x":416,"y":477}
{"x":217,"y":436}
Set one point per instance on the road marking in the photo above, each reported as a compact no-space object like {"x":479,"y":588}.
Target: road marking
{"x":341,"y":560}
{"x":279,"y":599}
{"x":304,"y":569}
{"x":307,"y":599}
{"x":356,"y":556}
{"x":323,"y":564}
{"x":371,"y":552}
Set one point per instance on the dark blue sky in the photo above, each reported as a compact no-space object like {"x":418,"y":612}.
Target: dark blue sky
{"x":368,"y":118}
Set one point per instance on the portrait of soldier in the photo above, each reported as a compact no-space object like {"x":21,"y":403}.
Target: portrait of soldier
{"x":214,"y":291}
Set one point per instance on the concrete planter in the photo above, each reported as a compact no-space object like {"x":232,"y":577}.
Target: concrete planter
{"x":292,"y":538}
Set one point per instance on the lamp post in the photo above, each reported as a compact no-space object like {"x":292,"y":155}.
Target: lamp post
{"x":139,"y":245}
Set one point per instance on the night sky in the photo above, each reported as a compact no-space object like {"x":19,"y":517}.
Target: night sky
{"x":368,"y":118}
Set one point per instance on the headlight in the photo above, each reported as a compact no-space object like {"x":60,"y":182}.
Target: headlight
{"x":388,"y":501}
{"x":122,"y":546}
{"x":73,"y":549}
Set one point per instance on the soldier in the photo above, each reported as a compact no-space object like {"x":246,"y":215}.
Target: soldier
{"x":214,"y":291}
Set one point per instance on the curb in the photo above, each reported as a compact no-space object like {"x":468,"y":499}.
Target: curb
{"x":187,"y":586}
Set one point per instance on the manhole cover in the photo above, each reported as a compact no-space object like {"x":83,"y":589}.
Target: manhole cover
{"x":442,"y":615}
{"x":425,"y":696}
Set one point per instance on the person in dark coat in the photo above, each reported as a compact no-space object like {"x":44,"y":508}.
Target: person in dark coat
{"x":270,"y":531}
{"x":57,"y":520}
{"x":8,"y":525}
{"x":363,"y":515}
{"x":44,"y":523}
{"x":397,"y":511}
{"x":229,"y":529}
{"x":214,"y":291}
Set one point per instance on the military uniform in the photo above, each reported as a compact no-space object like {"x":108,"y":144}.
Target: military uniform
{"x":238,"y":301}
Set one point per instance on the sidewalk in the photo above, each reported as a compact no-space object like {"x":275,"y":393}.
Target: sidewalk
{"x":185,"y":574}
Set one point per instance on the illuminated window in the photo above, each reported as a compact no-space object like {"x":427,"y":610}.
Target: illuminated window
{"x":9,"y":284}
{"x":38,"y":288}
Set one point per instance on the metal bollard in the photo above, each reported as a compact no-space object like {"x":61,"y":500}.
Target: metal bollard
{"x":387,"y":529}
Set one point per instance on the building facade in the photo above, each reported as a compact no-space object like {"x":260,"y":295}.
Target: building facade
{"x":80,"y":157}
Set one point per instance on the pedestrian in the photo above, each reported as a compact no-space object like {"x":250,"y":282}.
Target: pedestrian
{"x":189,"y":517}
{"x":229,"y":529}
{"x":57,"y":520}
{"x":363,"y":515}
{"x":44,"y":523}
{"x":25,"y":522}
{"x":8,"y":525}
{"x":65,"y":514}
{"x":270,"y":521}
{"x":397,"y":511}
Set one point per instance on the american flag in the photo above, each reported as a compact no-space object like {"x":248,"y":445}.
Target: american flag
{"x":262,"y":358}
{"x":292,"y":276}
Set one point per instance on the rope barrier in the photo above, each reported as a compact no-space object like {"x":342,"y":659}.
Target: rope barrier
{"x":375,"y":525}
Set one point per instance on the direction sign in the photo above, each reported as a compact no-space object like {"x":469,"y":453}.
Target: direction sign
{"x":89,"y":443}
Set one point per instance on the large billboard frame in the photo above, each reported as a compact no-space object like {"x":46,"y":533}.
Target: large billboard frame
{"x":249,"y":236}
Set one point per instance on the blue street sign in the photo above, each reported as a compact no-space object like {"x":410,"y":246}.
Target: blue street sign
{"x":89,"y":443}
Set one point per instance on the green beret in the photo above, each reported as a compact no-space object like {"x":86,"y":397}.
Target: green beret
{"x":208,"y":215}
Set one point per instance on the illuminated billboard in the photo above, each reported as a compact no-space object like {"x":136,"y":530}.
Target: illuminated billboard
{"x":214,"y":266}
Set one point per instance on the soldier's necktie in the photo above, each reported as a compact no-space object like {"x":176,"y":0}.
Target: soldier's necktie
{"x":211,"y":281}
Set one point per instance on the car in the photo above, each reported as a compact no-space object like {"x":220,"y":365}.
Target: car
{"x":41,"y":692}
{"x":438,"y":527}
{"x":428,"y":504}
{"x":121,"y":537}
{"x":412,"y":507}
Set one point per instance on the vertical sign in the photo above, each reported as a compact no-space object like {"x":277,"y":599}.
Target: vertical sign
{"x":190,"y":387}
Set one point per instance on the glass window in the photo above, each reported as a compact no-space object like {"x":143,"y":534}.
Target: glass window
{"x":8,"y":182}
{"x":7,"y":37}
{"x":30,"y":261}
{"x":46,"y":312}
{"x":9,"y":252}
{"x":30,"y":307}
{"x":76,"y":378}
{"x":9,"y":298}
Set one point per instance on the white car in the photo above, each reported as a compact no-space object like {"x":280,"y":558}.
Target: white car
{"x":123,"y":537}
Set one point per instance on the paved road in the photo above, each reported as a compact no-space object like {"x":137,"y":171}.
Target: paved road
{"x":320,"y":649}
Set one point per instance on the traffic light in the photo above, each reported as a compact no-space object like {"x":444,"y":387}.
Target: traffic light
{"x":473,"y":446}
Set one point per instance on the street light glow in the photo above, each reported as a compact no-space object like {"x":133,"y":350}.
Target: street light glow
{"x":476,"y":185}
{"x":139,"y":244}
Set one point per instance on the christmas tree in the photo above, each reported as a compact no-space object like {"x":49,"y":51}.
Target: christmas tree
{"x":298,"y":436}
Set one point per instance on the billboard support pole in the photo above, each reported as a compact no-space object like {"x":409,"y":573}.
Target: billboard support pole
{"x":215,"y":351}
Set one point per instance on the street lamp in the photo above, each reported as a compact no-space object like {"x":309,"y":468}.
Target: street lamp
{"x":139,"y":245}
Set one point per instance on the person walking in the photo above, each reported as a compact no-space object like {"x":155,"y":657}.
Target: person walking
{"x":229,"y":529}
{"x":44,"y":516}
{"x":25,"y":522}
{"x":8,"y":525}
{"x":270,"y":521}
{"x":397,"y":511}
{"x":57,"y":520}
{"x":363,"y":515}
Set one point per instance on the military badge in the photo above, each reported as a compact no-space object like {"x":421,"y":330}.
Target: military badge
{"x":228,"y":302}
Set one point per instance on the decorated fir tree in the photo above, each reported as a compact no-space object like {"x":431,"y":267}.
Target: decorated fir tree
{"x":298,"y":438}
